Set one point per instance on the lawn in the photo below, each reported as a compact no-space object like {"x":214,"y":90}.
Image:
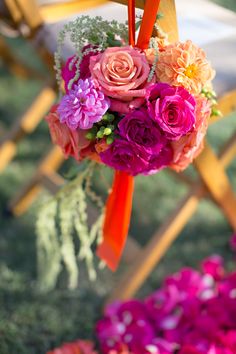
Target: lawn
{"x":31,"y":322}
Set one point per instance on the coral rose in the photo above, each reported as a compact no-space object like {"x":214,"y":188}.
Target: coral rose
{"x":122,"y":74}
{"x":186,"y":65}
{"x":72,"y":142}
{"x":190,"y":146}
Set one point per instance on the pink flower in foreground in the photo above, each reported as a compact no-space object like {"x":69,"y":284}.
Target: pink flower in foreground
{"x":61,"y":135}
{"x":173,"y":108}
{"x":122,"y":74}
{"x":214,"y":266}
{"x":184,"y":64}
{"x":83,"y":106}
{"x":192,"y":313}
{"x":77,"y":347}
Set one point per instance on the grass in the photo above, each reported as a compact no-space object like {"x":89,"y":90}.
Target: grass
{"x":30,"y":322}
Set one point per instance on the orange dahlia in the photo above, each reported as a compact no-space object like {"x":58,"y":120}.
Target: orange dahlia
{"x":184,"y":64}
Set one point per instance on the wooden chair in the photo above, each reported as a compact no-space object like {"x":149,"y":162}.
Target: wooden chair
{"x":213,"y":182}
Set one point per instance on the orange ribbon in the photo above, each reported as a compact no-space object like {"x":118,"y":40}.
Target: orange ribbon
{"x":131,"y":21}
{"x":119,"y":203}
{"x":117,"y":219}
{"x":148,"y":21}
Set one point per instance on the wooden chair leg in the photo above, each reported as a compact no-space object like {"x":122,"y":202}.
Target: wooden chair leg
{"x":15,"y":66}
{"x":49,"y":164}
{"x":228,"y":152}
{"x":215,"y":178}
{"x":226,"y":105}
{"x":25,"y":125}
{"x":160,"y":242}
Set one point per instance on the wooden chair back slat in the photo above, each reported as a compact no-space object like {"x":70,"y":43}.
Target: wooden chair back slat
{"x":14,"y":10}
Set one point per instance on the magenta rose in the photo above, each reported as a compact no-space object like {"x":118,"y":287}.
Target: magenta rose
{"x":139,"y":128}
{"x":190,"y":146}
{"x":122,"y":74}
{"x":69,"y":70}
{"x":173,"y":108}
{"x":125,"y":156}
{"x":159,"y":160}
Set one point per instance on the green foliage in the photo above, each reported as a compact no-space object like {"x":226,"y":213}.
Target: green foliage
{"x":59,"y":218}
{"x":84,"y":30}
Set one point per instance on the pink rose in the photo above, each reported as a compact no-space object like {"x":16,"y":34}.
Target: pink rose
{"x":72,"y":142}
{"x":122,"y":74}
{"x":190,"y":146}
{"x":173,"y":108}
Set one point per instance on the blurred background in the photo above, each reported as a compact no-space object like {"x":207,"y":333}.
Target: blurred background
{"x":31,"y":322}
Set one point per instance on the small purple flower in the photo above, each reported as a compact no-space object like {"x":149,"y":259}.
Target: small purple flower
{"x":173,"y":108}
{"x":125,"y":156}
{"x":83,"y":106}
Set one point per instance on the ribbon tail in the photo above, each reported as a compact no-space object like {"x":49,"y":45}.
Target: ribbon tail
{"x":117,"y":219}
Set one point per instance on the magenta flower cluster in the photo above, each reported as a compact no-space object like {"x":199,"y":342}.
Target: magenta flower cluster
{"x":145,"y":135}
{"x":192,"y":313}
{"x":142,"y":116}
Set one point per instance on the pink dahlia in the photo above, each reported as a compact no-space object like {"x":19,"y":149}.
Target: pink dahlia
{"x":83,"y":106}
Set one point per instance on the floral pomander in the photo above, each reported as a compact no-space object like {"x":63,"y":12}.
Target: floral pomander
{"x":140,"y":111}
